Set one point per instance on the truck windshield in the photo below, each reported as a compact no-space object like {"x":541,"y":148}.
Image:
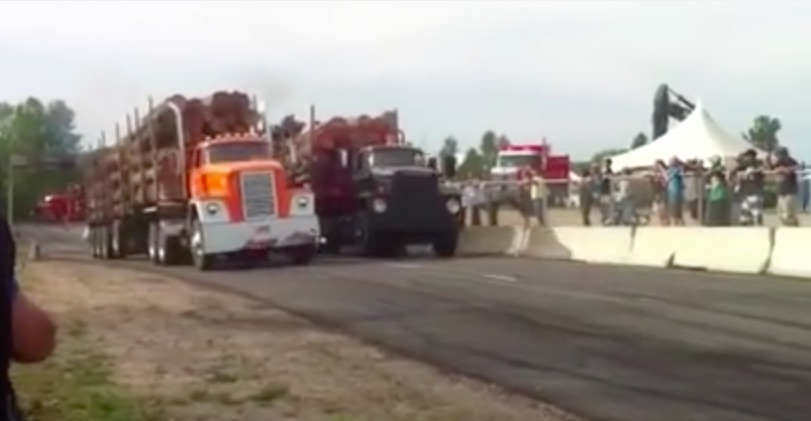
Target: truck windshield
{"x":517,"y":161}
{"x":397,"y":158}
{"x":237,"y":151}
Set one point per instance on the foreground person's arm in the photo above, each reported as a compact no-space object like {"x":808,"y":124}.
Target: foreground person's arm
{"x":33,"y":332}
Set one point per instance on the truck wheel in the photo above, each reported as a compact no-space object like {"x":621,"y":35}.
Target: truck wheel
{"x":369,"y":239}
{"x":370,"y":244}
{"x":302,"y":255}
{"x":94,"y":242}
{"x":200,"y":259}
{"x":104,"y":242}
{"x":445,"y":245}
{"x":168,"y":250}
{"x":332,"y":245}
{"x":152,"y":242}
{"x":116,"y":243}
{"x":391,"y":247}
{"x":162,"y":248}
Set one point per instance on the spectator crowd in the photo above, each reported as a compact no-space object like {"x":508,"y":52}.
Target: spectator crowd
{"x":713,"y":193}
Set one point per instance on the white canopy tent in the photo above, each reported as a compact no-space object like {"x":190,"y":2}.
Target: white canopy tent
{"x":697,"y":137}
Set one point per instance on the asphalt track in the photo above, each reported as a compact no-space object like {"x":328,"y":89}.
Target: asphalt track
{"x":608,"y":343}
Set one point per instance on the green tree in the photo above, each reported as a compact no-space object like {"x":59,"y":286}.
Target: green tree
{"x":488,"y":148}
{"x":503,"y":141}
{"x":472,"y":165}
{"x":763,"y":133}
{"x":579,"y":166}
{"x":60,"y":134}
{"x":37,"y":132}
{"x":450,"y":146}
{"x":641,"y":139}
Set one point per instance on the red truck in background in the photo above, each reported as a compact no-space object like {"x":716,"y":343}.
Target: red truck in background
{"x":553,"y":168}
{"x":68,"y":206}
{"x":371,"y":188}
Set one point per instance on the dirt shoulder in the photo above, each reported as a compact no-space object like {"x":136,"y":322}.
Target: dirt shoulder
{"x":138,"y":346}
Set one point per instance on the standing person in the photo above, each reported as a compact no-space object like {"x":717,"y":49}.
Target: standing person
{"x":674,"y":179}
{"x":785,"y":168}
{"x":692,"y":187}
{"x":586,"y":192}
{"x":29,"y":334}
{"x":605,"y":190}
{"x":718,"y":212}
{"x":538,"y":194}
{"x":624,"y":213}
{"x":750,"y":182}
{"x":805,"y":187}
{"x":659,"y":190}
{"x":471,"y":202}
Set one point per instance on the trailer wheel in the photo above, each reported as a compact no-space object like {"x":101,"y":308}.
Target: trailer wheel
{"x":104,"y":242}
{"x":116,"y":244}
{"x":94,"y":242}
{"x":200,"y":259}
{"x":152,"y":242}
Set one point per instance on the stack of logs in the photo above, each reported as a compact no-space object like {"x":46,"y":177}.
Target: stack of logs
{"x":223,"y":112}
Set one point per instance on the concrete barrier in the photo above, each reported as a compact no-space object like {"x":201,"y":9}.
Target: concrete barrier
{"x":653,"y":246}
{"x":490,"y":240}
{"x":727,"y":249}
{"x":543,"y":243}
{"x":591,"y":245}
{"x":790,"y":255}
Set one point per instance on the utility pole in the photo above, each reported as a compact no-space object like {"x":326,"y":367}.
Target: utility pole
{"x":13,"y":161}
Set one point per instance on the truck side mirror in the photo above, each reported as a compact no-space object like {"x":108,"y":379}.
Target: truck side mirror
{"x":449,"y":166}
{"x":432,"y":163}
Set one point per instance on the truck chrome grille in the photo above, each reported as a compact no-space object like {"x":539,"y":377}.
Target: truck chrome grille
{"x":258,"y":195}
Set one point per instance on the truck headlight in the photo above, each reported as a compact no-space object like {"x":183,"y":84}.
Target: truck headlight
{"x":379,"y":205}
{"x":213,"y":208}
{"x":452,"y":205}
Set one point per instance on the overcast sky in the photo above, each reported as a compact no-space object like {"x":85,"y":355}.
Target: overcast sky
{"x":580,"y":73}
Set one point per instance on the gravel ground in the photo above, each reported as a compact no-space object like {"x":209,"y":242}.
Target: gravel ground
{"x":205,"y":355}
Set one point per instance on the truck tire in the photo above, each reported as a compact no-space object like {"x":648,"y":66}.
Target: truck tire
{"x":302,"y":255}
{"x":445,"y":244}
{"x":168,"y":250}
{"x":331,"y":246}
{"x":116,"y":243}
{"x":152,"y":242}
{"x":369,"y":239}
{"x":94,"y":242}
{"x":200,"y":259}
{"x":104,"y":242}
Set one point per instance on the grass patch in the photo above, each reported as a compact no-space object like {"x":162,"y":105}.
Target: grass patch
{"x":76,"y":385}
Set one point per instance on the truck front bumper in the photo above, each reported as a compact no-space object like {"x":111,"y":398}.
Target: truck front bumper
{"x":270,"y":234}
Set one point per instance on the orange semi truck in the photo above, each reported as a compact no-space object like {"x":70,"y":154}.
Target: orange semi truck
{"x":194,"y":181}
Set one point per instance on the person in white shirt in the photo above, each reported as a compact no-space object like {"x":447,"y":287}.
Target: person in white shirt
{"x":691,"y":188}
{"x":624,"y":199}
{"x":538,"y":195}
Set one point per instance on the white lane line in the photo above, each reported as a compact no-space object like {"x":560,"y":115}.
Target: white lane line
{"x":406,"y":265}
{"x":497,"y":277}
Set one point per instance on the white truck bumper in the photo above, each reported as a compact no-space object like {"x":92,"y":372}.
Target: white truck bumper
{"x":271,"y":233}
